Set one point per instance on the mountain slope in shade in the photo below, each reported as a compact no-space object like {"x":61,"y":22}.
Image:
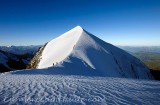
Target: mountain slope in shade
{"x":78,"y":52}
{"x":16,"y":57}
{"x":11,"y":62}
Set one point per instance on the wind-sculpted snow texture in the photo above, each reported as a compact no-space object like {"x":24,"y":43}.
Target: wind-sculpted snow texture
{"x":76,"y":90}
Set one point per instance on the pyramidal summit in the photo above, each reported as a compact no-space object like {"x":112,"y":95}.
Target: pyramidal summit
{"x":79,"y":68}
{"x":78,"y":52}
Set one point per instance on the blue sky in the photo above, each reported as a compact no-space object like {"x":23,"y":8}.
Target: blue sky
{"x":119,"y":22}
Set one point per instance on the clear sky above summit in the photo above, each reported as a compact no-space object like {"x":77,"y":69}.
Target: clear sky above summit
{"x":120,"y":22}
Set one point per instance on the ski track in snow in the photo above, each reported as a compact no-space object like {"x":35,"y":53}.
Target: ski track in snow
{"x":71,"y":90}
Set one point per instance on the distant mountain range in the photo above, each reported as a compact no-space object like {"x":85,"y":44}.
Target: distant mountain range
{"x":149,"y":55}
{"x":134,"y":49}
{"x":20,"y":50}
{"x":16,"y":57}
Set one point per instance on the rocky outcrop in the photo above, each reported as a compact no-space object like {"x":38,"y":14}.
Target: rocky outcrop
{"x":36,"y":59}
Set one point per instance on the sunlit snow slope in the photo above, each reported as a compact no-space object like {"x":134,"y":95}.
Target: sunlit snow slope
{"x":58,"y":49}
{"x":79,"y":52}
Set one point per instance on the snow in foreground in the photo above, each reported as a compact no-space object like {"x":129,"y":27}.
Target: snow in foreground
{"x":60,"y":89}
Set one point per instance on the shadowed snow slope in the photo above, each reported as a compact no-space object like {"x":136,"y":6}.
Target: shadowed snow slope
{"x":81,"y":53}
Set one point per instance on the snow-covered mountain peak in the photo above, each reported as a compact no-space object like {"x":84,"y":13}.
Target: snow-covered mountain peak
{"x":78,"y":52}
{"x":78,"y":28}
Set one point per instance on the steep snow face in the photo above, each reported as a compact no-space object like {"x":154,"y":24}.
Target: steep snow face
{"x":81,"y":53}
{"x":58,"y":49}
